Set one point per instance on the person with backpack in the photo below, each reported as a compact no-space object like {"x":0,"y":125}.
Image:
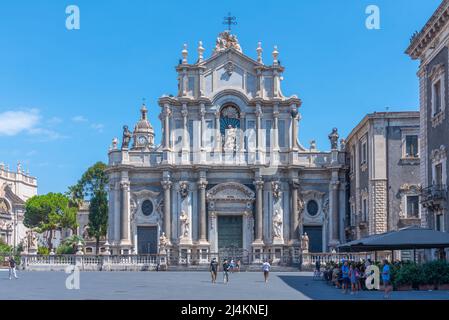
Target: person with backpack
{"x":226,"y":268}
{"x":12,"y":268}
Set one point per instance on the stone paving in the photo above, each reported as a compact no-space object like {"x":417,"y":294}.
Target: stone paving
{"x":185,"y":286}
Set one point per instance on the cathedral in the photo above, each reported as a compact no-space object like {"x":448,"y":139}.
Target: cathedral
{"x":229,"y":172}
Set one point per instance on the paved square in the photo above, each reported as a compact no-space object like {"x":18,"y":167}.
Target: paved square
{"x":184,"y":286}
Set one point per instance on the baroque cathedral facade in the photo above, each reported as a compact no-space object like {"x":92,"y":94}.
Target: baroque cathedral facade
{"x":229,"y":171}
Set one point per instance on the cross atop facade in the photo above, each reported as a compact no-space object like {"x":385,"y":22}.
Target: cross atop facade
{"x":230,"y":20}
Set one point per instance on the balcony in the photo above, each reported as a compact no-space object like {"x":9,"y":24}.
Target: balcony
{"x":434,"y":197}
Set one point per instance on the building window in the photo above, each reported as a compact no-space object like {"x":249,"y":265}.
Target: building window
{"x":411,"y":146}
{"x":412,"y":206}
{"x":439,"y":223}
{"x":268,"y":125}
{"x":147,"y":208}
{"x":436,"y":97}
{"x":364,"y":153}
{"x":365,"y":210}
{"x":312,"y":208}
{"x":439,"y":174}
{"x":281,"y":130}
{"x":352,"y":159}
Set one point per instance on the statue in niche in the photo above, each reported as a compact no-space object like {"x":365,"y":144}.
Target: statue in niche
{"x":126,"y":137}
{"x":277,"y":224}
{"x":230,"y":140}
{"x":185,"y":224}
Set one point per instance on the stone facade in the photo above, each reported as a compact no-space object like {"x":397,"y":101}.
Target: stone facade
{"x":15,"y":188}
{"x":384,"y":176}
{"x":229,"y":172}
{"x":430,"y":47}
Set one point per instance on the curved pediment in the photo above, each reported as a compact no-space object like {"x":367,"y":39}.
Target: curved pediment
{"x":231,"y":191}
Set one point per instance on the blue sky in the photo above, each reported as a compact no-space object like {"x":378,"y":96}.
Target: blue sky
{"x":65,"y":94}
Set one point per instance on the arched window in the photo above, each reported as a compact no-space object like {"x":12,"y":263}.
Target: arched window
{"x":229,"y":116}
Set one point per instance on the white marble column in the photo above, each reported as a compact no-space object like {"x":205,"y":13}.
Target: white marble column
{"x":202,"y":209}
{"x":259,"y":211}
{"x":259,"y":132}
{"x":334,"y":186}
{"x":125,"y":227}
{"x":185,"y":135}
{"x":167,"y":209}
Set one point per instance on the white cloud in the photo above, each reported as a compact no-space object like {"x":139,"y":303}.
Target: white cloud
{"x":45,"y":134}
{"x":79,"y":119}
{"x":97,"y":126}
{"x":15,"y":122}
{"x":54,"y":120}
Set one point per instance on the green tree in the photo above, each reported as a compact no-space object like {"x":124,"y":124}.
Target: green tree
{"x":98,"y":217}
{"x":48,"y":213}
{"x":92,"y":187}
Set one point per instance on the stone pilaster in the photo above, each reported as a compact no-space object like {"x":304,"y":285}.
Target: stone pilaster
{"x":378,"y":218}
{"x":294,"y":214}
{"x":125,"y":227}
{"x":335,"y":239}
{"x":423,"y":152}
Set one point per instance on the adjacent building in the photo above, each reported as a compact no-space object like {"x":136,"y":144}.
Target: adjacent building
{"x":430,"y":47}
{"x":15,"y":188}
{"x":384,"y":177}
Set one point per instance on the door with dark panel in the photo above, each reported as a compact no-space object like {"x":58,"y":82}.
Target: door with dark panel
{"x":147,"y":240}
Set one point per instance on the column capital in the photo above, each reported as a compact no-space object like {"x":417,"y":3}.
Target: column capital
{"x":202,"y":184}
{"x":124,"y":185}
{"x":166,"y":184}
{"x":259,"y":184}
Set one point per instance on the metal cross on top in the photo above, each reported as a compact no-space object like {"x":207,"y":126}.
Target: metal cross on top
{"x":230,"y":20}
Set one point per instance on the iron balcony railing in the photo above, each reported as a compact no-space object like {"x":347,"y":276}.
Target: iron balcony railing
{"x":433,"y":193}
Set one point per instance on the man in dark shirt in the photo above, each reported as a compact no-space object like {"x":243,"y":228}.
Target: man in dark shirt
{"x":213,"y":268}
{"x":12,"y":268}
{"x":225,"y":271}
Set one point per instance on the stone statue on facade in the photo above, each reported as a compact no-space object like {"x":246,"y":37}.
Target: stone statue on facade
{"x":333,"y":137}
{"x":342,"y":144}
{"x":86,"y":232}
{"x":230,"y":140}
{"x":184,"y":189}
{"x":126,"y":137}
{"x":226,"y":40}
{"x":277,"y":224}
{"x":305,"y":242}
{"x":185,"y":224}
{"x":163,"y":241}
{"x":114,"y":144}
{"x":276,"y":188}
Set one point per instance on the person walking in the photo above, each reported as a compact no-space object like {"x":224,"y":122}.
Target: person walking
{"x":353,"y":277}
{"x":225,"y":271}
{"x":345,"y":276}
{"x":213,"y":268}
{"x":386,"y":279}
{"x":12,"y":268}
{"x":266,"y":270}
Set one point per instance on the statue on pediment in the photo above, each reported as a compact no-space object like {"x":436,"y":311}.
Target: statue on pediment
{"x":226,"y":40}
{"x":126,"y":137}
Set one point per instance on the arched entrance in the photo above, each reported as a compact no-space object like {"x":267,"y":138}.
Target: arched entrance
{"x":231,"y":222}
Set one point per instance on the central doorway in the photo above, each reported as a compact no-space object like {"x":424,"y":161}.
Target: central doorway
{"x":230,"y":232}
{"x":315,"y":234}
{"x":147,"y":240}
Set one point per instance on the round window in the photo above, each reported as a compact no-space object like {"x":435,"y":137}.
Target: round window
{"x":147,"y":207}
{"x":312,"y":208}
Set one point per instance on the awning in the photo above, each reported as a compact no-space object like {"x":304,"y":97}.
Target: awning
{"x":408,"y":238}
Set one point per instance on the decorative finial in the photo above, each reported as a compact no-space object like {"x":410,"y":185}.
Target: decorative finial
{"x":259,"y":52}
{"x":200,"y":51}
{"x":184,"y":54}
{"x":275,"y":55}
{"x":143,"y":110}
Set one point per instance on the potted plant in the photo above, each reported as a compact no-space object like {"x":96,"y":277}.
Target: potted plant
{"x":426,"y":277}
{"x":407,"y":277}
{"x":443,"y":283}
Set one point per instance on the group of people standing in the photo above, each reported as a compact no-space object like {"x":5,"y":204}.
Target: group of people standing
{"x":231,"y":267}
{"x":351,"y":276}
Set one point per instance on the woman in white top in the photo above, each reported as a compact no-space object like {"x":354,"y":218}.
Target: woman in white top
{"x":266,"y":270}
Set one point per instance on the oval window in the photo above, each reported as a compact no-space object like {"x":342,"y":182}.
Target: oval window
{"x":147,"y":207}
{"x":312,"y":208}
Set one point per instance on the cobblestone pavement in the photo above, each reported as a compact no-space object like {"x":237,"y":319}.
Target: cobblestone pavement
{"x":185,"y":286}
